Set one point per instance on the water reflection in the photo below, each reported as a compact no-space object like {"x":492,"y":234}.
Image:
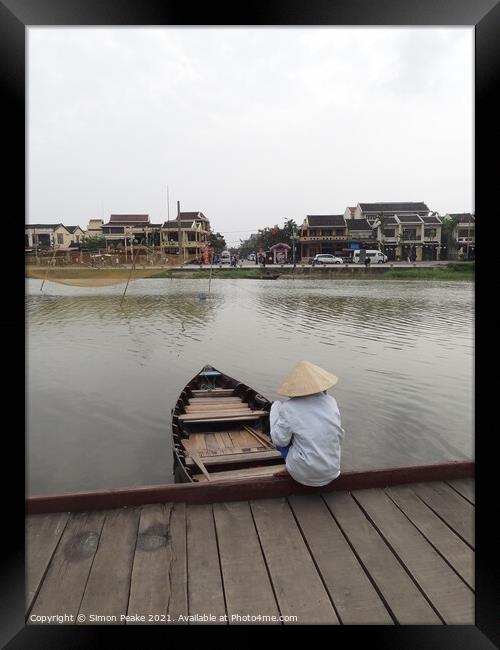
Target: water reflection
{"x":102,"y":379}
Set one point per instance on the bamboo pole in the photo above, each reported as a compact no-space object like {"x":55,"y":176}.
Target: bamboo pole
{"x":129,"y":276}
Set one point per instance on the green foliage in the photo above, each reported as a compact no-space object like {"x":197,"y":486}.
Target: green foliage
{"x":93,"y":242}
{"x":265,"y":238}
{"x":217,"y":242}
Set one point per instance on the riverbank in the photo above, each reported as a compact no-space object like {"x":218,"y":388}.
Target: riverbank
{"x":452,"y":271}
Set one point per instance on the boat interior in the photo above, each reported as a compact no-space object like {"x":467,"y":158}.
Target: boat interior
{"x":221,"y":430}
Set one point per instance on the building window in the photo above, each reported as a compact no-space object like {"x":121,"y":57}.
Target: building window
{"x":410,"y":233}
{"x":60,"y":238}
{"x":389,"y":232}
{"x":339,"y":233}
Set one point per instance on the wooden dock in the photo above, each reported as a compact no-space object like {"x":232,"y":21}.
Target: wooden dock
{"x":396,"y":555}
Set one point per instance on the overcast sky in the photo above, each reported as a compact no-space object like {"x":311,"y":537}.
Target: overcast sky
{"x":247,"y":125}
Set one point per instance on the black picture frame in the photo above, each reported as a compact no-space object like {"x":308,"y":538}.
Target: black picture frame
{"x":15,"y":17}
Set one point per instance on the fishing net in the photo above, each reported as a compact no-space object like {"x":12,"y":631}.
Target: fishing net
{"x":83,"y":269}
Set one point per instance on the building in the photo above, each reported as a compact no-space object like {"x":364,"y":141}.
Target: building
{"x":360,"y":235}
{"x":94,"y":229}
{"x":463,"y":235}
{"x":371,"y":211}
{"x":409,"y":236}
{"x":39,"y":235}
{"x":193,"y":229}
{"x":65,"y":237}
{"x":322,"y":233}
{"x":280,"y":253}
{"x":123,"y":230}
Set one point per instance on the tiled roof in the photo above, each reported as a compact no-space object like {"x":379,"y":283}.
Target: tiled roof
{"x":409,"y":218}
{"x":129,"y":218}
{"x":326,"y":220}
{"x":42,"y":225}
{"x":390,"y":221}
{"x":464,"y":217}
{"x":357,"y":224}
{"x":394,"y":207}
{"x":72,"y":229}
{"x":174,"y":225}
{"x":431,"y":220}
{"x":193,"y":215}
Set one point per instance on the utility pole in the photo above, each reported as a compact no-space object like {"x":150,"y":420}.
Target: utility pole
{"x":468,"y":239}
{"x":179,"y":227}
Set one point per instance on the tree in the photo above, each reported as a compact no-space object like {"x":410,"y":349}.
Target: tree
{"x":382,"y":220}
{"x":447,"y":234}
{"x":267,"y":237}
{"x":217,"y":242}
{"x":93,"y":242}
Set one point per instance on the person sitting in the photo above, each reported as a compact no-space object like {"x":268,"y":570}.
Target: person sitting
{"x":307,"y":429}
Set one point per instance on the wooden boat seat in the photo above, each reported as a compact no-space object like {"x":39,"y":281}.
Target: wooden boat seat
{"x":245,"y":473}
{"x":219,"y":400}
{"x":214,"y":392}
{"x":246,"y":457}
{"x":221,"y":416}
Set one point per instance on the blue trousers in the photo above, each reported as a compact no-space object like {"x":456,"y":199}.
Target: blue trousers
{"x":283,"y":450}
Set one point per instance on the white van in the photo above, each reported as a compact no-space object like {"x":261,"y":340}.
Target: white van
{"x":225,"y":257}
{"x":376,"y":257}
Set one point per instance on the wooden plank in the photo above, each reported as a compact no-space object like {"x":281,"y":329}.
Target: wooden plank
{"x":220,"y":400}
{"x":205,"y":590}
{"x":447,"y":592}
{"x":247,"y":586}
{"x":247,"y":472}
{"x":297,"y":585}
{"x":212,"y":442}
{"x":42,"y":534}
{"x":237,"y":490}
{"x":399,"y":592}
{"x":158,"y":585}
{"x":62,"y":590}
{"x":199,"y":464}
{"x":225,"y":439}
{"x":242,"y":457}
{"x":356,"y":600}
{"x":196,"y":441}
{"x":203,"y":408}
{"x":243,"y":439}
{"x":215,"y":392}
{"x":259,"y":436}
{"x":447,"y":504}
{"x":108,"y":586}
{"x":226,"y":418}
{"x":209,"y":415}
{"x":454,"y":550}
{"x":465,"y":487}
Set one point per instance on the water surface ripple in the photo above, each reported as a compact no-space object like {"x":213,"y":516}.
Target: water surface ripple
{"x":102,"y":379}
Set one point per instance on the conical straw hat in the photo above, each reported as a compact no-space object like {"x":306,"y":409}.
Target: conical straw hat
{"x":306,"y":379}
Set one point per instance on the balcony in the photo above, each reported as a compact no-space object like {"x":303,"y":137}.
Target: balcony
{"x":326,"y":238}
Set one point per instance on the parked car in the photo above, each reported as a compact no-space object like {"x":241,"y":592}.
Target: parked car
{"x":375,"y":256}
{"x":326,"y":258}
{"x":225,"y":257}
{"x":251,"y":257}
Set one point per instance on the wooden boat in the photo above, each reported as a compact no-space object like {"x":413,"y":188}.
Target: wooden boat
{"x":220,"y":429}
{"x":263,"y":276}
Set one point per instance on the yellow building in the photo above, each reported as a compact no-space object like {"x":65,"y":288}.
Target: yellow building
{"x":194,"y":229}
{"x":65,"y":236}
{"x":322,"y":233}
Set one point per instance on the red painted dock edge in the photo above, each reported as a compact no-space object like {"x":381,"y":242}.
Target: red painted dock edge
{"x":243,"y":490}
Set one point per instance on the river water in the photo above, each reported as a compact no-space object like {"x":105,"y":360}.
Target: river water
{"x":101,"y":380}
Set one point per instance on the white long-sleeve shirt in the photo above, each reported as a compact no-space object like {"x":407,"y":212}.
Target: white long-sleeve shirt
{"x":312,"y":425}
